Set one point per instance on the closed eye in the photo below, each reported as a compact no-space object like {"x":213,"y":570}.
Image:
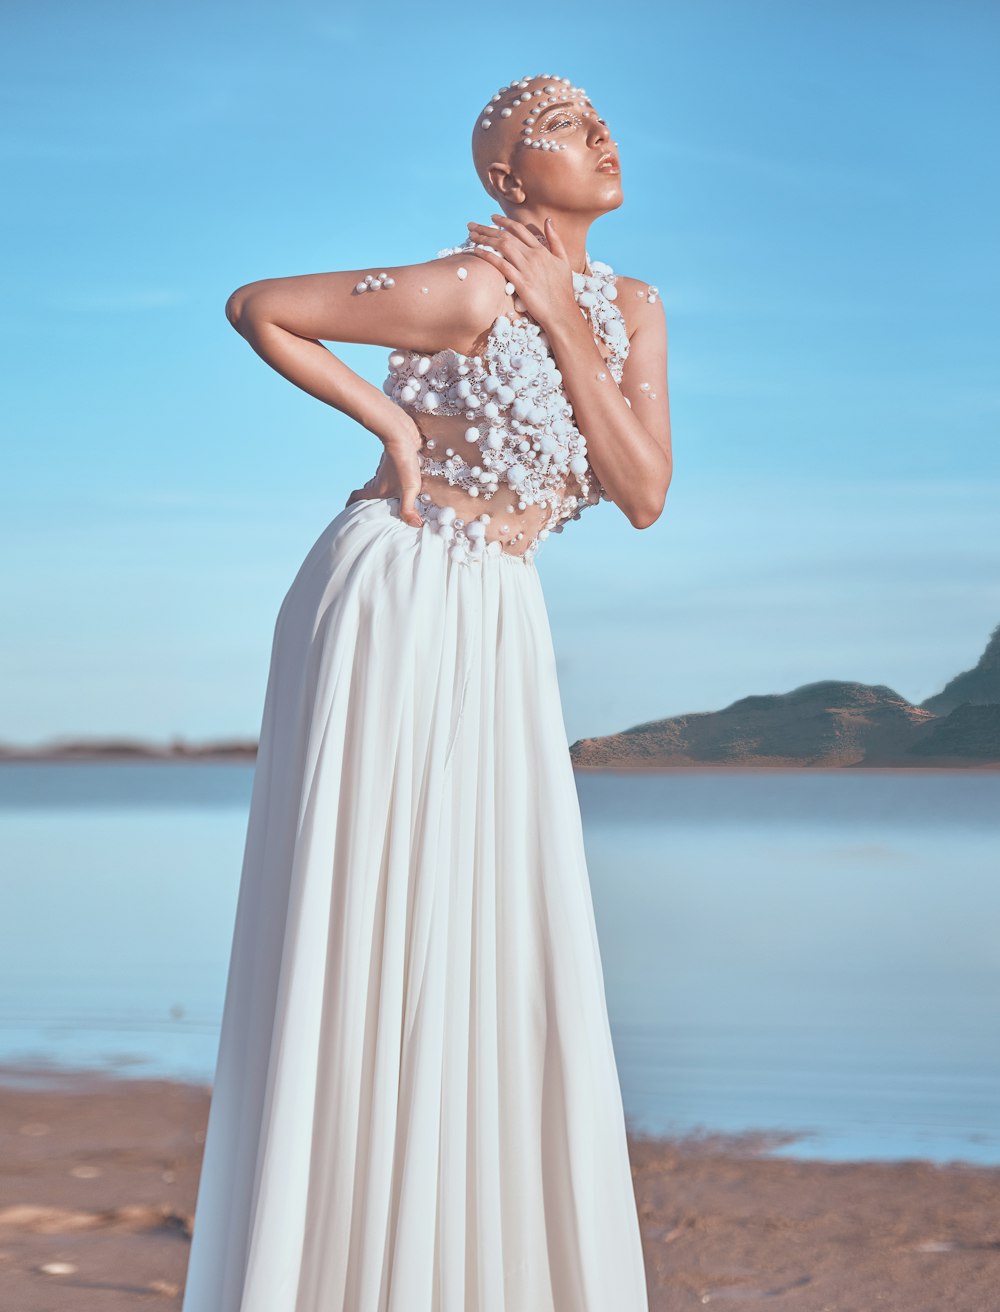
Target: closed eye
{"x":563,"y":122}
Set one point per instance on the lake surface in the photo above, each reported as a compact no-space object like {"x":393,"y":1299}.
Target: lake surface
{"x":806,"y":951}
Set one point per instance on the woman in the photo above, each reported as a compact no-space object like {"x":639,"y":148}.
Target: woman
{"x":416,"y":1106}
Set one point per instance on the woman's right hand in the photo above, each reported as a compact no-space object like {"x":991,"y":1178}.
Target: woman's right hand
{"x":398,"y":475}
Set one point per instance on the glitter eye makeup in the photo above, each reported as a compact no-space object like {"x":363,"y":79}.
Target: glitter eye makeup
{"x":561,"y":121}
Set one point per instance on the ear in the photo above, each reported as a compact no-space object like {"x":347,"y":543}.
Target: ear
{"x":504,"y":184}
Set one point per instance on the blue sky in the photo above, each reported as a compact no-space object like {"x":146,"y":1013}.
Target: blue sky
{"x":812,"y":186}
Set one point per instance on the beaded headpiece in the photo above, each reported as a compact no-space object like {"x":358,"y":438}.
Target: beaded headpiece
{"x":517,"y":94}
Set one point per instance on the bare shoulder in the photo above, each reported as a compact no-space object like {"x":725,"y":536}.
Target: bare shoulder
{"x":641,"y":304}
{"x":477,"y":288}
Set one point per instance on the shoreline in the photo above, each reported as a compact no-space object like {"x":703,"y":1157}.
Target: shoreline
{"x":101,"y":1177}
{"x":237,"y":758}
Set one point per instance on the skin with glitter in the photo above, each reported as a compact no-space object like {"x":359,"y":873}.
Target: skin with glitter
{"x":547,"y":160}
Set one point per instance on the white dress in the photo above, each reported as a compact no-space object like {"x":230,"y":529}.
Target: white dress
{"x":416,"y":1106}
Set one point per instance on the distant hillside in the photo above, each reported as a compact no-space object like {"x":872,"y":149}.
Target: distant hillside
{"x":979,"y":686}
{"x":131,"y":749}
{"x":830,"y":723}
{"x":968,"y":733}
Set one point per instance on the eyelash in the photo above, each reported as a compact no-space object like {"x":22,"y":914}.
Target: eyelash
{"x":549,"y":127}
{"x":558,"y":123}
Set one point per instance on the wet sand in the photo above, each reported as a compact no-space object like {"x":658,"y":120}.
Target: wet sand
{"x":99,"y":1181}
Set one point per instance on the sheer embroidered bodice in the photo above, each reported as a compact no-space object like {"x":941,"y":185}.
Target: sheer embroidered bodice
{"x":499,"y":428}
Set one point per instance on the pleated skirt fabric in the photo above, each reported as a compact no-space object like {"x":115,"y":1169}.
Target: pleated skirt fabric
{"x":416,"y":1106}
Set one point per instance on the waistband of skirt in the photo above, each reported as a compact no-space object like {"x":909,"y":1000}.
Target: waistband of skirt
{"x":461,"y":547}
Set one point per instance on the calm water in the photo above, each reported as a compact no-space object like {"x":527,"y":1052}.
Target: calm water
{"x":814,"y":951}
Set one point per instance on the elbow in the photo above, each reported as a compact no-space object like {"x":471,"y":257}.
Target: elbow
{"x":646,"y":519}
{"x":236,"y":306}
{"x":645,"y":516}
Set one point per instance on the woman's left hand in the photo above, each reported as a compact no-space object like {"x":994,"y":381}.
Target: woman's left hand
{"x":535,"y":262}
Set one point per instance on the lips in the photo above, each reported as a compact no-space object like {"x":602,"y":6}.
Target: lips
{"x":607,"y":164}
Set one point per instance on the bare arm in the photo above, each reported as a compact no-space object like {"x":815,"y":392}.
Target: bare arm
{"x":628,"y":428}
{"x":629,"y":449}
{"x":285,"y":320}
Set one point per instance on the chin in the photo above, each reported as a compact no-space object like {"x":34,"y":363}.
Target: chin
{"x":612,"y":202}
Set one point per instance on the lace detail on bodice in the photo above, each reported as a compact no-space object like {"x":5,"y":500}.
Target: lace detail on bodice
{"x":521,"y":440}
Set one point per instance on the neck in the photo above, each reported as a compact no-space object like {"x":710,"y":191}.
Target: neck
{"x":572,"y":228}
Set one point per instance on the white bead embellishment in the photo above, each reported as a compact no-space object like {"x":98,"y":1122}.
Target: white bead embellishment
{"x":373,"y":284}
{"x":466,"y":541}
{"x":526,"y":441}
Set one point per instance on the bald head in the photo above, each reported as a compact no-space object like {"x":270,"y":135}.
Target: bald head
{"x":506,"y":126}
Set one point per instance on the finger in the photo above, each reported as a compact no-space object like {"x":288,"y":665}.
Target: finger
{"x":538,"y":234}
{"x":359,"y":494}
{"x":502,"y":242}
{"x":487,"y":237}
{"x":407,"y":504}
{"x":498,"y":262}
{"x":519,"y":230}
{"x":555,"y":241}
{"x":484,"y":232}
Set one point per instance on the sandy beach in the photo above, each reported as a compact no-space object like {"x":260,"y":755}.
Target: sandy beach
{"x":100,"y":1175}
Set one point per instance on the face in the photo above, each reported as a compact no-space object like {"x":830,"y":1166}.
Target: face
{"x":541,"y":144}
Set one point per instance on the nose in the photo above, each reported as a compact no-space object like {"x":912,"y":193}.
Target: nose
{"x":600,"y":133}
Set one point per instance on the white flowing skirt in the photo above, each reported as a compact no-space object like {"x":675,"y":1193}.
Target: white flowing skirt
{"x":416,"y":1106}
